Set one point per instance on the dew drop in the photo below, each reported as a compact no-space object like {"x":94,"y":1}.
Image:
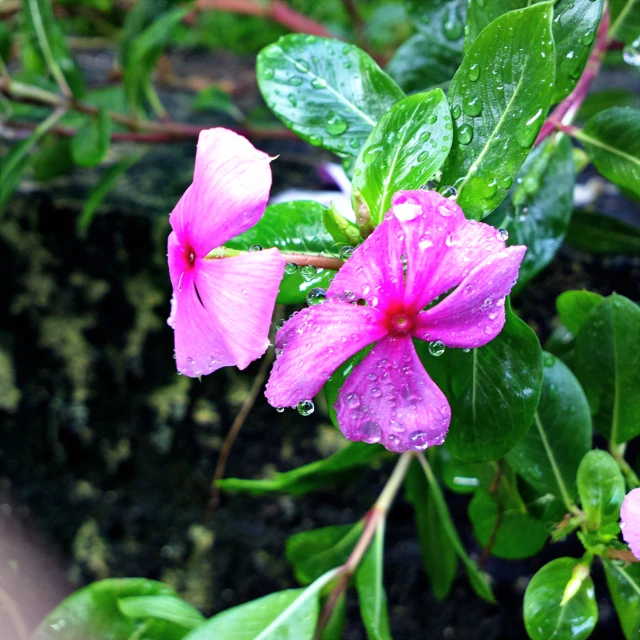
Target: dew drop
{"x":370,"y":432}
{"x":290,"y":268}
{"x":301,"y":66}
{"x":255,"y":247}
{"x":371,"y":153}
{"x":474,"y":72}
{"x":503,"y":234}
{"x":280,"y":409}
{"x":419,"y":441}
{"x":316,"y":296}
{"x":295,"y":81}
{"x":306,"y":407}
{"x":472,"y":106}
{"x":308,"y":272}
{"x":335,"y":124}
{"x":631,"y":53}
{"x":436,"y":348}
{"x":456,"y":111}
{"x":432,"y":119}
{"x":346,"y":253}
{"x":315,"y":140}
{"x":352,"y":400}
{"x":318,"y":83}
{"x":448,"y":192}
{"x":267,"y":73}
{"x":465,"y":134}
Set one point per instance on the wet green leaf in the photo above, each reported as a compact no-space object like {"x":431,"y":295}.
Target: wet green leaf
{"x":624,"y":586}
{"x":499,"y":99}
{"x":625,"y":20}
{"x":91,"y":142}
{"x":163,"y":607}
{"x":574,"y":307}
{"x":602,"y":234}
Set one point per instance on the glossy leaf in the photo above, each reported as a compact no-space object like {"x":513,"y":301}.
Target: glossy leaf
{"x":493,"y":390}
{"x":308,"y":82}
{"x":404,"y":151}
{"x":311,"y":476}
{"x":612,"y":140}
{"x":625,"y":20}
{"x":315,"y":552}
{"x":624,"y":587}
{"x":93,"y":613}
{"x":284,"y":615}
{"x":538,"y":207}
{"x":545,"y":617}
{"x":162,"y":607}
{"x":549,"y":454}
{"x":371,"y":594}
{"x":499,"y":98}
{"x":602,"y":234}
{"x":574,"y":307}
{"x":607,"y":363}
{"x":601,"y":488}
{"x":438,"y":552}
{"x":91,"y":142}
{"x":293,"y":227}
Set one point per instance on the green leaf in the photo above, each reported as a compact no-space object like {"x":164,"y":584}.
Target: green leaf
{"x":311,"y":476}
{"x":511,"y":530}
{"x":343,"y":231}
{"x":309,"y":83}
{"x":607,"y":363}
{"x":371,"y":594}
{"x":493,"y":391}
{"x":574,"y":307}
{"x":293,"y":227}
{"x":598,"y":101}
{"x":5,"y":41}
{"x":538,"y":207}
{"x":560,"y":435}
{"x":624,"y":586}
{"x":91,"y":142}
{"x":602,"y":234}
{"x":404,"y":151}
{"x":335,"y":626}
{"x":439,"y":556}
{"x":213,"y":98}
{"x":545,"y":617}
{"x":165,"y":607}
{"x":612,"y":140}
{"x":625,"y":20}
{"x":313,"y":553}
{"x":285,"y":615}
{"x":601,"y":488}
{"x":52,"y":158}
{"x":93,"y":613}
{"x":499,"y":98}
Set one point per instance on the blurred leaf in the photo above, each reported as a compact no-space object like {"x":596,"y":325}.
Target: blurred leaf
{"x":335,"y":626}
{"x":624,"y":586}
{"x":311,"y":476}
{"x":598,"y":101}
{"x":404,"y":150}
{"x":607,"y":363}
{"x":625,"y":20}
{"x":308,"y":82}
{"x":574,"y":307}
{"x":602,"y":234}
{"x":612,"y":140}
{"x":497,"y":116}
{"x":53,"y":158}
{"x":371,"y":594}
{"x":601,"y":488}
{"x":163,"y":607}
{"x":315,"y":552}
{"x":92,"y":613}
{"x":213,"y":98}
{"x":5,"y":41}
{"x":544,"y":615}
{"x":91,"y":142}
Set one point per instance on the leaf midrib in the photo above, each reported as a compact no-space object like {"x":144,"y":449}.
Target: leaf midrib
{"x":585,"y":137}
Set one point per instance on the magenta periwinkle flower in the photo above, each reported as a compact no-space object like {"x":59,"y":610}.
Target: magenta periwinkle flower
{"x":630,"y":521}
{"x":386,"y":295}
{"x":221,"y":307}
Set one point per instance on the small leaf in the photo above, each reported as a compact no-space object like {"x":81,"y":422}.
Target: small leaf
{"x":574,"y":307}
{"x":213,"y":98}
{"x":499,"y":98}
{"x":625,"y":20}
{"x":313,"y":553}
{"x":624,"y":586}
{"x":545,"y":618}
{"x":308,"y":82}
{"x":560,"y":435}
{"x":612,"y":140}
{"x":91,"y":142}
{"x":602,"y":234}
{"x":53,"y":158}
{"x":404,"y":150}
{"x":343,"y":231}
{"x":601,"y":488}
{"x":167,"y":608}
{"x":607,"y":363}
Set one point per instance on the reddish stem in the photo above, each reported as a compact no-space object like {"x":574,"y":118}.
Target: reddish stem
{"x":570,"y":105}
{"x":319,"y":262}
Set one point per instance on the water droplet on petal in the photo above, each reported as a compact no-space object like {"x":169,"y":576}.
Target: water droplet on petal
{"x":316,"y":296}
{"x":503,"y":234}
{"x":370,"y":432}
{"x":436,"y":348}
{"x":306,"y":407}
{"x":280,"y":409}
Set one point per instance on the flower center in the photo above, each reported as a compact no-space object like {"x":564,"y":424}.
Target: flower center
{"x":191,"y":256}
{"x":400,"y":323}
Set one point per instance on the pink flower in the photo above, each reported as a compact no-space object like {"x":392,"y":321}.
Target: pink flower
{"x":423,"y":249}
{"x":630,"y":521}
{"x":221,"y":308}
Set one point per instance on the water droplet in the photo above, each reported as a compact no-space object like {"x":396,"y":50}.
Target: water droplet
{"x":371,"y":153}
{"x":293,"y":101}
{"x":432,"y":119}
{"x":290,"y":268}
{"x":472,"y":106}
{"x":346,"y":253}
{"x":280,"y":324}
{"x":301,"y":66}
{"x":352,"y":400}
{"x":375,"y":392}
{"x":465,"y":134}
{"x":503,"y":234}
{"x":318,"y":83}
{"x":308,"y":272}
{"x":280,"y":409}
{"x":315,"y":140}
{"x":306,"y":407}
{"x":335,"y":124}
{"x":456,"y":111}
{"x":419,"y":441}
{"x":272,"y":51}
{"x":474,"y":72}
{"x":267,"y":73}
{"x":370,"y":432}
{"x":448,"y":192}
{"x":452,"y":25}
{"x":436,"y":348}
{"x":295,"y":81}
{"x":255,"y":247}
{"x":316,"y":296}
{"x":631,"y":53}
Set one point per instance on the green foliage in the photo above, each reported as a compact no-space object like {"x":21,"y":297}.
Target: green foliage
{"x":574,"y":307}
{"x":601,"y":489}
{"x":499,"y":98}
{"x":91,"y":141}
{"x":625,"y":20}
{"x":308,"y":82}
{"x":404,"y":151}
{"x":545,"y":614}
{"x":602,"y":234}
{"x":162,"y":607}
{"x":624,"y":585}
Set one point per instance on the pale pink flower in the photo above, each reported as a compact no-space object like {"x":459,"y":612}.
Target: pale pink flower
{"x":630,"y":521}
{"x":423,"y":249}
{"x":221,"y":308}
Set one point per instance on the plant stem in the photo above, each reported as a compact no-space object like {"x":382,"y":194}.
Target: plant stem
{"x":300,"y":259}
{"x":633,"y":482}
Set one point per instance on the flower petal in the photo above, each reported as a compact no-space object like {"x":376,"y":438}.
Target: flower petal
{"x":473,"y":314}
{"x":375,"y":270}
{"x":630,"y":521}
{"x":228,"y":195}
{"x":314,"y":343}
{"x":390,"y":398}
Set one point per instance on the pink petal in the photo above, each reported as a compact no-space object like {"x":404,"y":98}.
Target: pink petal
{"x":375,"y":271}
{"x":314,"y":343}
{"x":223,"y":310}
{"x":630,"y":521}
{"x":389,"y":398}
{"x":228,"y":194}
{"x":473,"y":314}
